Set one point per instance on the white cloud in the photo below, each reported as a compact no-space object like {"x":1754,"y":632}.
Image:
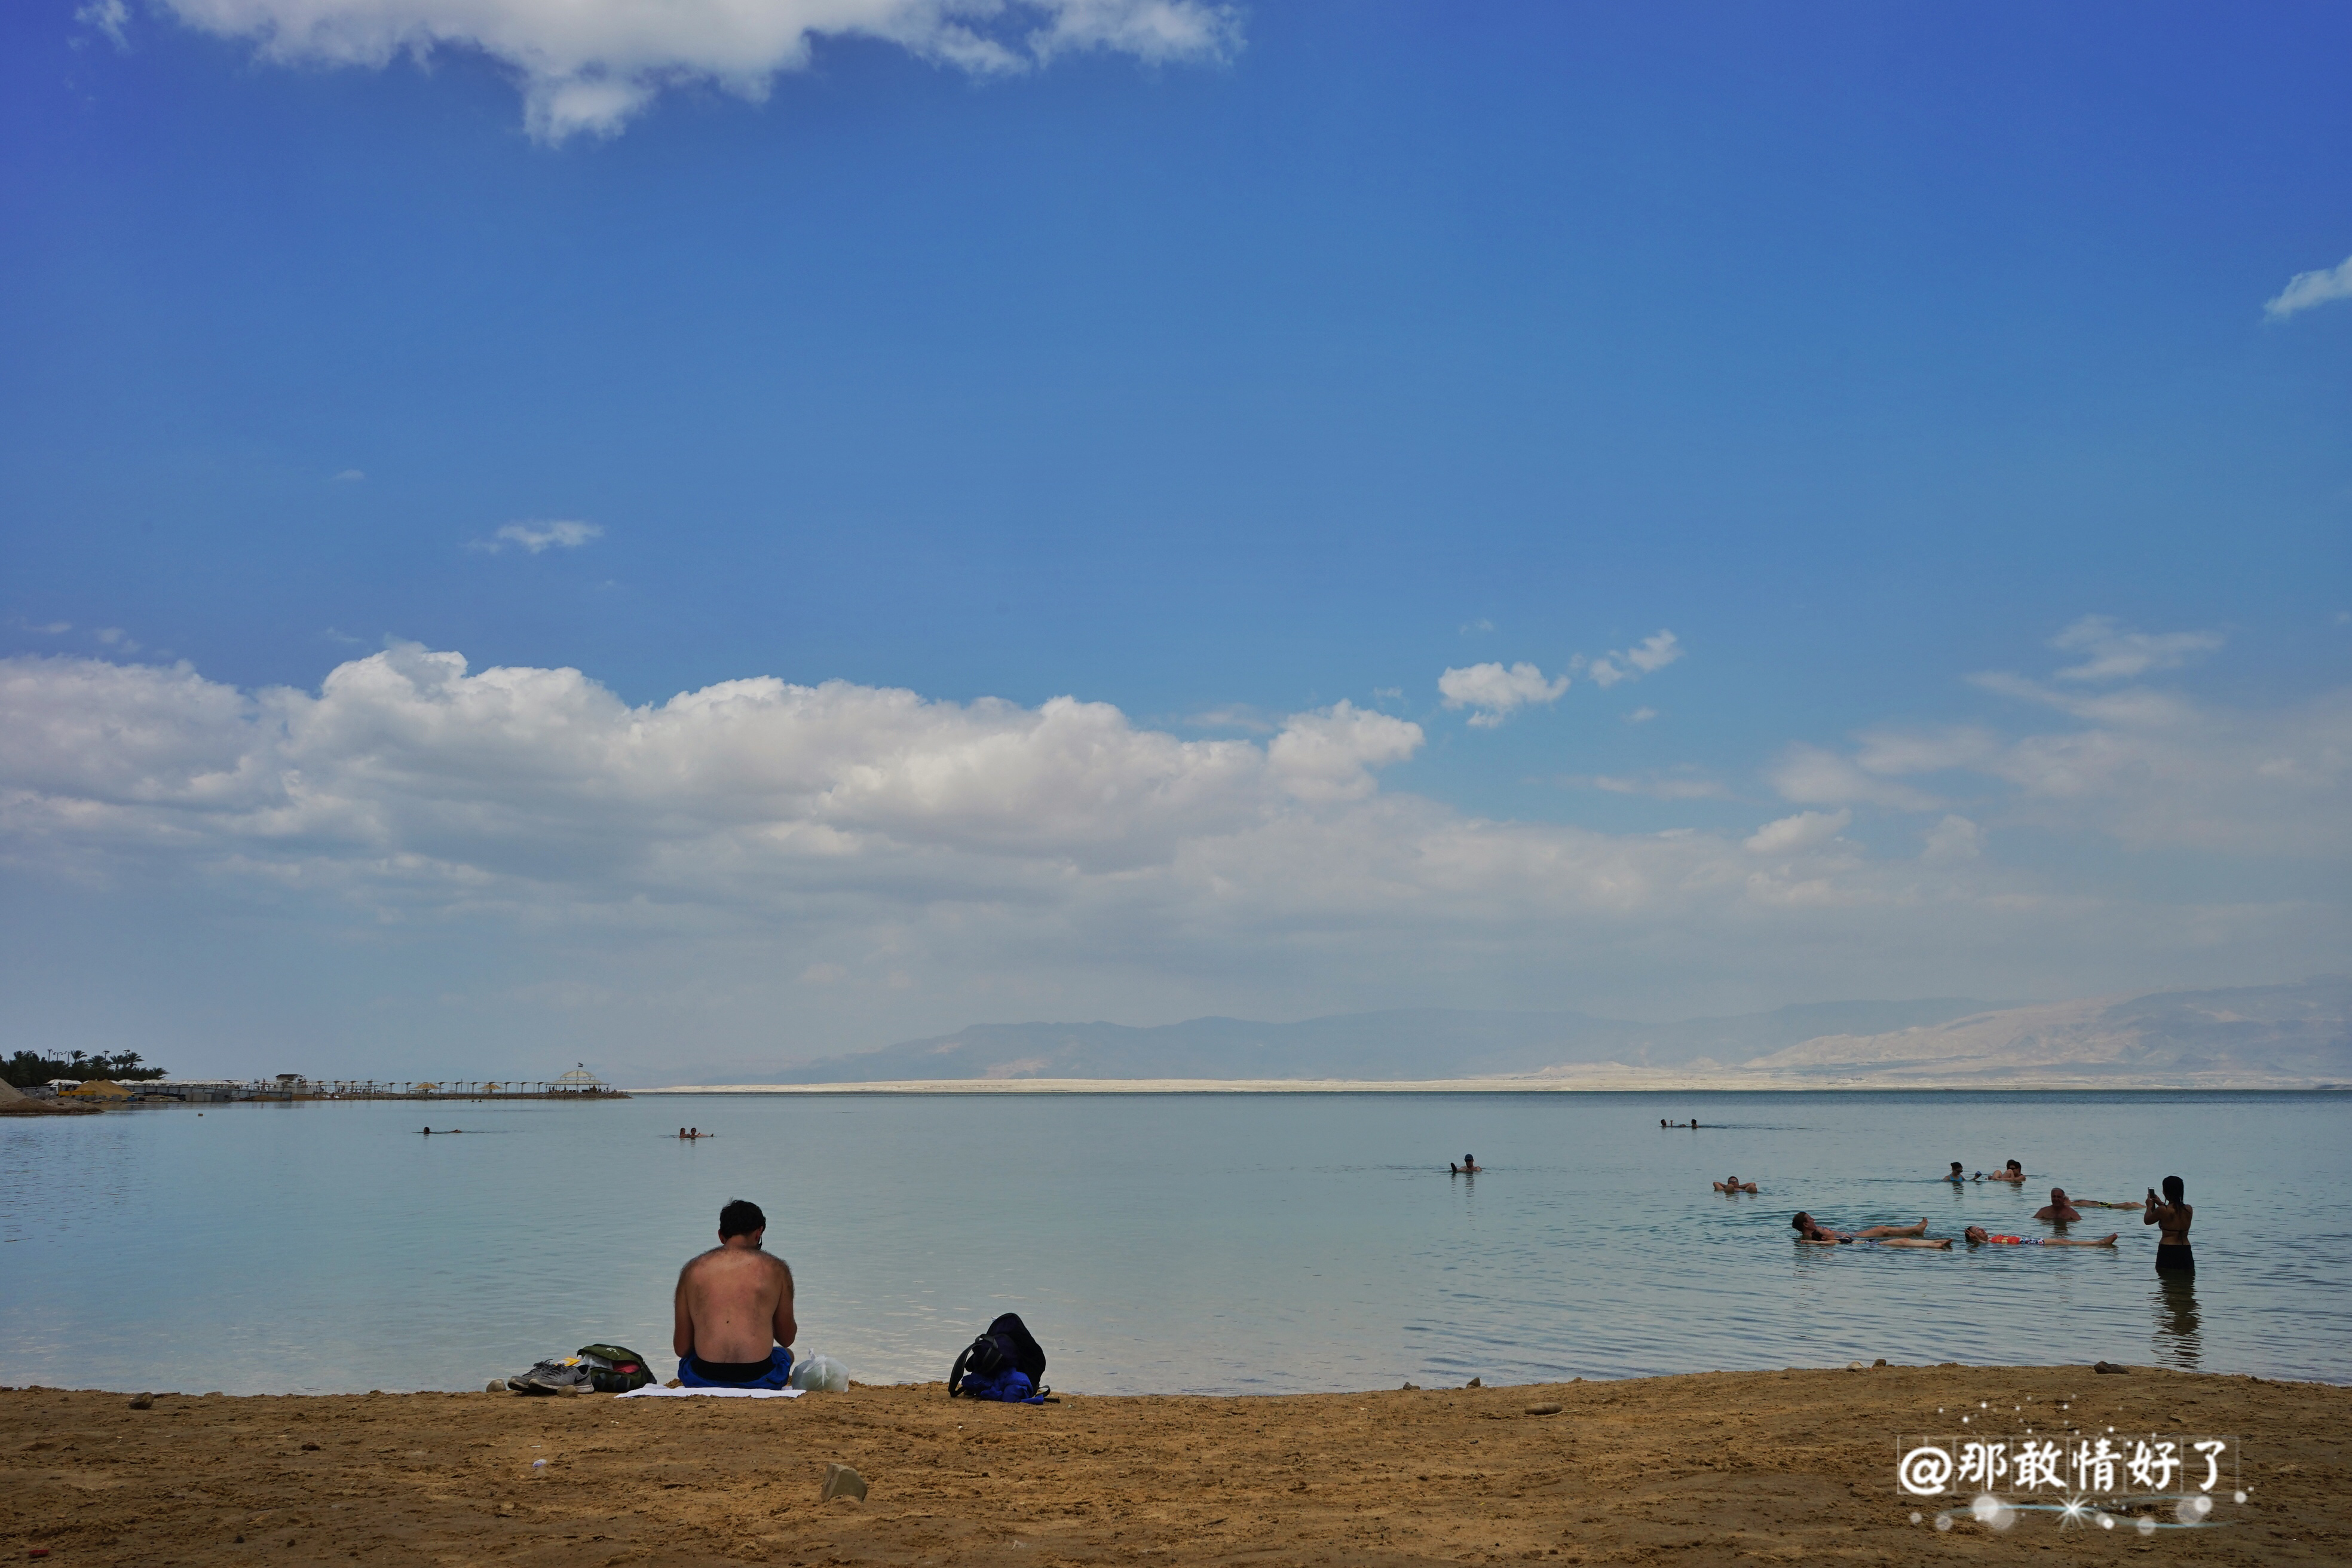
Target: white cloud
{"x":2305,"y":289}
{"x":1641,"y":715}
{"x":591,"y":64}
{"x":1472,"y":629}
{"x":757,"y":849}
{"x":1813,"y":775}
{"x":1675,"y":786}
{"x":1954,"y":838}
{"x":52,"y":628}
{"x":1496,"y":691}
{"x":118,"y":640}
{"x":351,"y":476}
{"x":536,"y":537}
{"x":1650,"y":654}
{"x":109,"y":16}
{"x":2114,"y":654}
{"x":1808,"y":830}
{"x":1330,"y":755}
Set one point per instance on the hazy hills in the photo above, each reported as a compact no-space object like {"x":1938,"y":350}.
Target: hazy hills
{"x":1412,"y":1043}
{"x":2285,"y":1035}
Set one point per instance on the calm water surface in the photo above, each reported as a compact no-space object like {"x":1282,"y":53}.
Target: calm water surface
{"x":1163,"y":1243}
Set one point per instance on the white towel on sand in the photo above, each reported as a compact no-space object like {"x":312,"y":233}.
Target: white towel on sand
{"x":655,"y":1391}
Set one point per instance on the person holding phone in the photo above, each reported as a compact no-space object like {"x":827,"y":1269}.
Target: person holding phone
{"x":2172,"y":1214}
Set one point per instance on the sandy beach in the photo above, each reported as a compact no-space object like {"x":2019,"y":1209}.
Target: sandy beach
{"x":1719,"y":1467}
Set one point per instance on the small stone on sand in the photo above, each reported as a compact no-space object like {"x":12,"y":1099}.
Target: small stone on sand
{"x":1543,"y":1409}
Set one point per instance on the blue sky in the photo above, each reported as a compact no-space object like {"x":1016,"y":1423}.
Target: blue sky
{"x":1219,"y":376}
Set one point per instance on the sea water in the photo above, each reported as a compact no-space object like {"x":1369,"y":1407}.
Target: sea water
{"x":1166,"y":1243}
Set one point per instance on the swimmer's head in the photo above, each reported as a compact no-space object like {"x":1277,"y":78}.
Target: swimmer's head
{"x":1975,"y":1234}
{"x":1955,"y":1167}
{"x":741,"y":1218}
{"x":2017,"y":1166}
{"x":1803,"y":1221}
{"x":2057,"y":1195}
{"x":2173,"y":1190}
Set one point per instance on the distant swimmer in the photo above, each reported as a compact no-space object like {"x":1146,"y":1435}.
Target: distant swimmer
{"x":690,"y":1132}
{"x":1979,"y":1236}
{"x":2012,"y":1171}
{"x":1813,"y":1230}
{"x":1734,"y":1184}
{"x":1469,"y":1167}
{"x":2172,"y":1214}
{"x":1958,"y":1179}
{"x":2058,"y":1209}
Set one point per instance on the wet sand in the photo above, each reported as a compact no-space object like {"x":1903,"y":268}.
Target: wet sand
{"x":1717,"y":1467}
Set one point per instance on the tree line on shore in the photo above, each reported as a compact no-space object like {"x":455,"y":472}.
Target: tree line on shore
{"x":27,"y":1069}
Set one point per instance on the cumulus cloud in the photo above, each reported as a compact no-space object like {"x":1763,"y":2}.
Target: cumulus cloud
{"x":536,"y":537}
{"x":1497,"y":692}
{"x":1650,"y":654}
{"x":1641,"y":715}
{"x":881,"y":865}
{"x":2113,"y":654}
{"x":1330,"y":755}
{"x":1807,"y":830}
{"x":2305,"y":289}
{"x":591,"y":64}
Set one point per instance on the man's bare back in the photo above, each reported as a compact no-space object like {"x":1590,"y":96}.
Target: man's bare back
{"x":734,"y":1303}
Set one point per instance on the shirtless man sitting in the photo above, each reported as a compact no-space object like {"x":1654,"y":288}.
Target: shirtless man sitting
{"x":1734,"y":1184}
{"x":734,"y":1308}
{"x":2058,"y":1209}
{"x":1810,"y":1229}
{"x":1979,"y":1236}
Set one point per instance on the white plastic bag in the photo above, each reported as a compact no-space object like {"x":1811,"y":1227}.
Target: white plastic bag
{"x":819,"y":1375}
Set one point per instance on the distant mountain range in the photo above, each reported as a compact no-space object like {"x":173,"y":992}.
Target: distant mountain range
{"x":2284,"y":1035}
{"x":2298,"y":1034}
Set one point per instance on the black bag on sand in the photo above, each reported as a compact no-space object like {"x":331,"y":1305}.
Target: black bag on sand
{"x":1007,"y":1343}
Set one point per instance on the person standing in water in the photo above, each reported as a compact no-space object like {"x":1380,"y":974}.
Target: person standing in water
{"x":2172,"y":1214}
{"x":1469,"y":1167}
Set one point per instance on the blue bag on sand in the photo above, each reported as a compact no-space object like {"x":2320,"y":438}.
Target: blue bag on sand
{"x":1006,"y":1384}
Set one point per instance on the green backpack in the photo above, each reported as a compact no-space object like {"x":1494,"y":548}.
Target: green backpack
{"x":628,"y":1369}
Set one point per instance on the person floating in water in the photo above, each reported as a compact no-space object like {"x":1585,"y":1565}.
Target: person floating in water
{"x":2058,"y":1210}
{"x":1978,"y":1236}
{"x":2012,"y":1171}
{"x":1734,"y":1184}
{"x":445,"y":1133}
{"x":2172,"y":1215}
{"x":692,"y":1132}
{"x":1469,"y":1167}
{"x":1957,"y":1179}
{"x":1811,"y":1229}
{"x":733,"y":1310}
